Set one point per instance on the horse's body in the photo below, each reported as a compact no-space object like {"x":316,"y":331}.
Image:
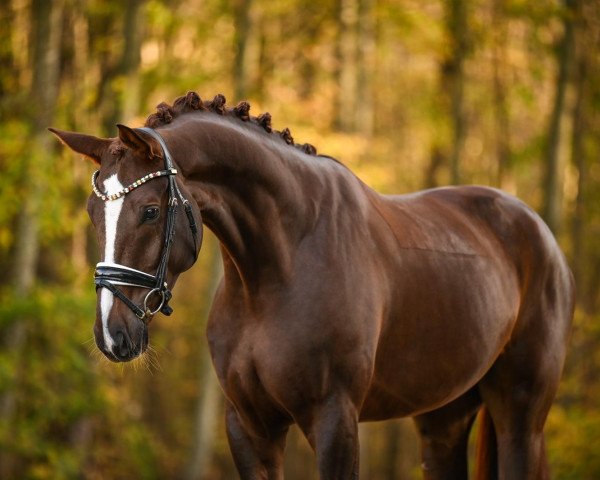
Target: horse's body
{"x":339,"y":305}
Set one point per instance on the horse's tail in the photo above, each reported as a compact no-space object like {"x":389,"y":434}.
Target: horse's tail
{"x":487,"y":451}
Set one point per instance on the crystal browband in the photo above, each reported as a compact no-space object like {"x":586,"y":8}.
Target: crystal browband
{"x":129,"y":188}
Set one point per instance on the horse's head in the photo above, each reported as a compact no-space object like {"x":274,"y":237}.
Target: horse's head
{"x":139,"y":210}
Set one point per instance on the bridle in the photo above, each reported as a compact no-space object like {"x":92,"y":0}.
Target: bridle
{"x":109,"y":275}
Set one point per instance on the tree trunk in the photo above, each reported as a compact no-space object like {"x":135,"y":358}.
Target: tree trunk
{"x":7,"y":56}
{"x":501,"y":113}
{"x":208,"y":405}
{"x":130,"y":61}
{"x":579,"y":162}
{"x":207,"y":412}
{"x":436,"y":160}
{"x":552,"y":181}
{"x":119,"y":101}
{"x":242,"y":20}
{"x":364,"y":452}
{"x":456,"y":25}
{"x":586,"y":36}
{"x":448,"y":143}
{"x":392,"y":450}
{"x":18,"y":31}
{"x":347,"y":65}
{"x":82,"y":120}
{"x":365,"y":107}
{"x":309,"y":47}
{"x":46,"y":25}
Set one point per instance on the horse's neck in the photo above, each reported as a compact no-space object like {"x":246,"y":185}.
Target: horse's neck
{"x":251,"y":198}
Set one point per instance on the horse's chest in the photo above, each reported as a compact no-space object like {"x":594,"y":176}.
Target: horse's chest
{"x":230,"y":349}
{"x":234,"y":353}
{"x":239,"y":363}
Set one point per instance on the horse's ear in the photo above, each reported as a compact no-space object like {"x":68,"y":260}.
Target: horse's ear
{"x":137,"y":141}
{"x":87,"y":145}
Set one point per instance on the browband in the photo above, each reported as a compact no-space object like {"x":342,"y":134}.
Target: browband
{"x":129,"y":188}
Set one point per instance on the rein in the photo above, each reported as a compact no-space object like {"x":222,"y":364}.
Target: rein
{"x":109,"y":275}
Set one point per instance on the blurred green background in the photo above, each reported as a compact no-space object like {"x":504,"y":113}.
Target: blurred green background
{"x":409,"y":93}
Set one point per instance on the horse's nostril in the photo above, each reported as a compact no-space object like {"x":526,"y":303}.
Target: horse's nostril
{"x":121,"y":348}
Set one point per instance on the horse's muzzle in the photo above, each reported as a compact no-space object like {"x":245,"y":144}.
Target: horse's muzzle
{"x":124,"y":346}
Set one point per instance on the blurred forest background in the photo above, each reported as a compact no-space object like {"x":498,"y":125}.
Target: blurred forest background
{"x":409,"y":93}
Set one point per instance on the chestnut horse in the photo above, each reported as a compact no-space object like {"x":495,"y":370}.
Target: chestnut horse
{"x":337,"y":304}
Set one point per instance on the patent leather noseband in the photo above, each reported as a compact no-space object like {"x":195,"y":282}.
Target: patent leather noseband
{"x":113,"y":275}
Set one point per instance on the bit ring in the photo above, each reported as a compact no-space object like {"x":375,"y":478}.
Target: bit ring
{"x":147,"y":311}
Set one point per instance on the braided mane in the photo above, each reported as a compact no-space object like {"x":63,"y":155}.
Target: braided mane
{"x":190,"y":102}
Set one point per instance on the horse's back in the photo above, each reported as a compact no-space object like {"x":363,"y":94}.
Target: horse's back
{"x":481,"y":221}
{"x":462,"y":219}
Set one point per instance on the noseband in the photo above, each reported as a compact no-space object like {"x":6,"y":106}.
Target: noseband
{"x":109,"y":275}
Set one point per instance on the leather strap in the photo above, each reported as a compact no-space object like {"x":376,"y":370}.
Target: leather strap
{"x":120,"y":275}
{"x":102,"y":283}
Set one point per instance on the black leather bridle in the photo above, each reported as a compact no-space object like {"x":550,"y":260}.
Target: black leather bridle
{"x":109,"y":275}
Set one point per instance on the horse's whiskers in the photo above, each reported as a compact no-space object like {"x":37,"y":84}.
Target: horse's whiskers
{"x":97,"y":356}
{"x":95,"y":352}
{"x":151,"y":360}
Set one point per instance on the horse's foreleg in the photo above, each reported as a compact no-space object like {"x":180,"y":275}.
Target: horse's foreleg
{"x":255,"y":458}
{"x":332,"y":431}
{"x":444,"y":438}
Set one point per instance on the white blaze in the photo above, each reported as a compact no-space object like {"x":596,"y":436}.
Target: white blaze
{"x":112,"y":211}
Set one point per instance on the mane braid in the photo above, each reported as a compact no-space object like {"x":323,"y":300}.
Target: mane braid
{"x":191,"y":102}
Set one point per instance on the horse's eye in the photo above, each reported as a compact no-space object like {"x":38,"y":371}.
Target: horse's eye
{"x":150,"y":213}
